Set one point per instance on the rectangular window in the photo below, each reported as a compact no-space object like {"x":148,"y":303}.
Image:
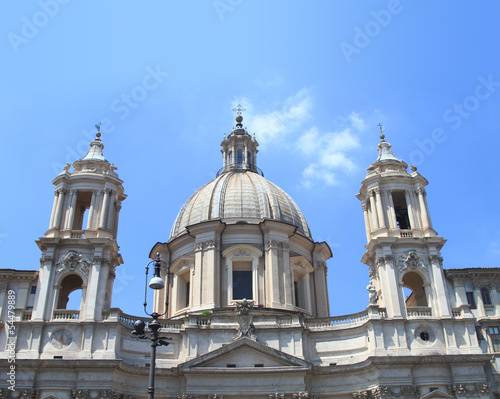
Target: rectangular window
{"x":33,"y":289}
{"x":495,"y":338}
{"x":242,"y":284}
{"x":470,"y":300}
{"x":188,"y":291}
{"x":296,"y":289}
{"x":485,"y":295}
{"x":401,"y":210}
{"x":479,"y":333}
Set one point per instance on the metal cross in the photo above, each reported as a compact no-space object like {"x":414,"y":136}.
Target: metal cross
{"x":381,"y":127}
{"x":239,"y":109}
{"x":98,"y":127}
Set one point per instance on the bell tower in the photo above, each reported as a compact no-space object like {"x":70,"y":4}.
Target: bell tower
{"x":403,"y":250}
{"x":79,"y":250}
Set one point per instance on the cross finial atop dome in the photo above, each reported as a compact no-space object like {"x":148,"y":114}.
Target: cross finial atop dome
{"x":382,"y":136}
{"x":239,"y":109}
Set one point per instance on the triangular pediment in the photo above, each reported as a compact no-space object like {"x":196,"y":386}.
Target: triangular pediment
{"x":437,"y":394}
{"x":245,"y":353}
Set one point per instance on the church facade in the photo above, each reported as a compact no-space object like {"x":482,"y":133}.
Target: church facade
{"x":246,"y":303}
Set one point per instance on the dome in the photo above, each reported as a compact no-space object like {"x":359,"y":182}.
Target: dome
{"x":239,"y":195}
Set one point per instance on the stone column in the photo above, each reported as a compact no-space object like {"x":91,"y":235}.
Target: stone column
{"x":272,"y":274}
{"x":439,"y":292}
{"x":211,"y":274}
{"x":224,"y":159}
{"x":60,"y":206}
{"x":494,"y":298}
{"x":321,"y":289}
{"x":391,"y":289}
{"x":423,"y":208}
{"x":54,"y":207}
{"x":196,"y":276}
{"x":373,"y":210}
{"x":110,"y":212}
{"x":392,"y":213}
{"x":367,"y":221}
{"x":93,"y":304}
{"x":245,"y":157}
{"x":409,"y":207}
{"x":71,"y":210}
{"x":287,"y":276}
{"x":478,"y":298}
{"x":380,"y":211}
{"x":307,"y":292}
{"x":43,"y":291}
{"x":90,"y":223}
{"x":104,"y":209}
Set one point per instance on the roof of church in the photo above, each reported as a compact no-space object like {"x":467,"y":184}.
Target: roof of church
{"x":239,"y":195}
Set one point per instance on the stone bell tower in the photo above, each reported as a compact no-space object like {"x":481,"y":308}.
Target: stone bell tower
{"x":79,"y":251}
{"x":403,"y":250}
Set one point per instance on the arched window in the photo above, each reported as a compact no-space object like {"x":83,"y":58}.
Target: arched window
{"x":415,"y":293}
{"x":485,"y":294}
{"x":69,"y":285}
{"x":240,"y":159}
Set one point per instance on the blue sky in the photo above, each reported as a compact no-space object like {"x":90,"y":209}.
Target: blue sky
{"x":315,"y":77}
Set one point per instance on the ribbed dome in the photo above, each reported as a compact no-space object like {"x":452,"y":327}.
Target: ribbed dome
{"x":239,"y":195}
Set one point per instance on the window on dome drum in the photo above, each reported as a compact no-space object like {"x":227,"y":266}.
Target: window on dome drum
{"x":296,"y":289}
{"x":230,"y":157}
{"x":401,"y":210}
{"x":415,"y":285}
{"x":494,"y":333}
{"x":83,"y":200}
{"x":485,"y":295}
{"x":70,"y":292}
{"x":242,"y":280}
{"x":240,"y":159}
{"x":470,"y":300}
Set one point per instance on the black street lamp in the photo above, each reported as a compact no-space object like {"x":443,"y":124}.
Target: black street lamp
{"x":156,"y":283}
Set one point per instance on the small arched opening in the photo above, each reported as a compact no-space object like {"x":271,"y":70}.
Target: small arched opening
{"x":240,"y":159}
{"x":414,"y":290}
{"x":70,"y":293}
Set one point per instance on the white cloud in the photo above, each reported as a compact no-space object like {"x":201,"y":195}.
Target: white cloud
{"x":286,"y":119}
{"x":331,"y":151}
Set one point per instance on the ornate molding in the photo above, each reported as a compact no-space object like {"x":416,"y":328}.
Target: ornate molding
{"x":74,"y":262}
{"x":300,"y":395}
{"x":80,"y":393}
{"x":100,"y":259}
{"x":242,"y":252}
{"x":272,"y":244}
{"x":46,"y":258}
{"x":244,"y":319}
{"x":466,"y":390}
{"x":389,"y":391}
{"x":204,"y":245}
{"x":321,"y":265}
{"x":186,"y":396}
{"x":411,"y":260}
{"x":107,"y":394}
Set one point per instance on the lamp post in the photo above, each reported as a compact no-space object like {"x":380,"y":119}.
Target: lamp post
{"x":156,"y":283}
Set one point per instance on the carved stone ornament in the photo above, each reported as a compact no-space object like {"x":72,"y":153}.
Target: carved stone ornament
{"x":244,"y":319}
{"x":276,"y":396}
{"x":186,"y":396}
{"x":272,"y":244}
{"x":107,"y":394}
{"x":389,"y":391}
{"x":215,"y":396}
{"x":468,"y":390}
{"x":3,"y":286}
{"x":411,"y":260}
{"x":5,"y":393}
{"x":74,"y":262}
{"x":242,"y":252}
{"x":61,"y":339}
{"x":204,"y":245}
{"x":373,"y":294}
{"x":300,"y":395}
{"x":80,"y":394}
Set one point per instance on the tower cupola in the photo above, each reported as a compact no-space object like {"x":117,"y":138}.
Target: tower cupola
{"x":239,"y":149}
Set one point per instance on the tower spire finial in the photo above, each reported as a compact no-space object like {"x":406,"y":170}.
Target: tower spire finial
{"x":382,"y":136}
{"x":98,"y":127}
{"x":239,"y":109}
